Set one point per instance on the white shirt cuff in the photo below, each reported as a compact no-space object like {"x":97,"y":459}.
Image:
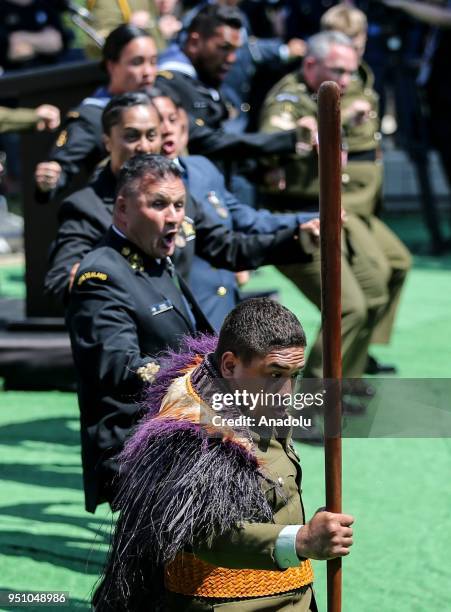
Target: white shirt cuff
{"x":285,"y":547}
{"x":284,"y":53}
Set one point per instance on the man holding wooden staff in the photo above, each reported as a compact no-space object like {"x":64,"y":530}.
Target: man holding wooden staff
{"x":211,"y":513}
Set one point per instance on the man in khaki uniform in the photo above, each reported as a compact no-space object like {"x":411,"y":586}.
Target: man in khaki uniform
{"x":363,"y":176}
{"x":211,"y":515}
{"x":368,"y":287}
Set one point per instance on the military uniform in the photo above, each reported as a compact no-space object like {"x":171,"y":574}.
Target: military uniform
{"x":79,"y":145}
{"x":86,"y":215}
{"x":208,"y":110}
{"x":214,"y":554}
{"x":362,"y":191}
{"x":216,"y":289}
{"x":124,"y":308}
{"x":252,"y":544}
{"x":17,"y":119}
{"x":365,"y":272}
{"x":109,"y":14}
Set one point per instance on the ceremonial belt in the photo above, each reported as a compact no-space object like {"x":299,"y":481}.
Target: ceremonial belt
{"x":189,"y":575}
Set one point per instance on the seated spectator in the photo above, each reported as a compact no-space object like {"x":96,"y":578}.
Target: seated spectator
{"x":31,"y":34}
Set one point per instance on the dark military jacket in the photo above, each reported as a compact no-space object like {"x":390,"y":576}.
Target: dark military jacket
{"x":124,"y":309}
{"x":85,"y":216}
{"x":208,"y":111}
{"x":79,"y":146}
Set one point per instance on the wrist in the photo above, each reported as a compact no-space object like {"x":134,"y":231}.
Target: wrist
{"x":300,"y":543}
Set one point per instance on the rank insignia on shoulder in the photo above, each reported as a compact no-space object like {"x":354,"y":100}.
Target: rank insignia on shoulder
{"x":62,"y":139}
{"x":287,"y":97}
{"x":72,"y":115}
{"x":87,"y":275}
{"x":148,"y":372}
{"x":200,"y":122}
{"x":157,"y":309}
{"x":188,"y":228}
{"x":166,"y":74}
{"x":135,"y":260}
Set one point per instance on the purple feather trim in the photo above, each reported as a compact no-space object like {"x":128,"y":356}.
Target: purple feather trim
{"x":173,"y":363}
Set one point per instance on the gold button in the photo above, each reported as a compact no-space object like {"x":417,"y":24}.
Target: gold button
{"x":345,"y":178}
{"x":221,"y":291}
{"x":280,"y":480}
{"x":377,"y":135}
{"x":245,"y":107}
{"x":200,"y":122}
{"x":372,"y":114}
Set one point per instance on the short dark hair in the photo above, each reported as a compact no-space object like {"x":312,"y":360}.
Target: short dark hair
{"x":164,"y":92}
{"x":214,"y":16}
{"x":112,"y":112}
{"x":119,"y":38}
{"x":256,"y":326}
{"x":156,"y":167}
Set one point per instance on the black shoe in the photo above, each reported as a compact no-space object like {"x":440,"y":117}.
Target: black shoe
{"x":376,"y":367}
{"x":352,"y":407}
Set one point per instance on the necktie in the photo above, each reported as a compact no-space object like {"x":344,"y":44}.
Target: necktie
{"x":175,"y":279}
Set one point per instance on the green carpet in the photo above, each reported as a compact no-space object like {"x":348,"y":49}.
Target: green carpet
{"x":398,"y":489}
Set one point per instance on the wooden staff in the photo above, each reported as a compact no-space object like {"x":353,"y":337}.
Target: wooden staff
{"x":329,"y":131}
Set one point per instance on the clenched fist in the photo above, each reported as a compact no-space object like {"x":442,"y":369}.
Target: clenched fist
{"x":325,"y":536}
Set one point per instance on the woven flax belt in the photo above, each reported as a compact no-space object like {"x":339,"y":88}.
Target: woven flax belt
{"x":189,"y":575}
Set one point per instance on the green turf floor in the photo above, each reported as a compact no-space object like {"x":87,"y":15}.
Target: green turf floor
{"x":398,"y":489}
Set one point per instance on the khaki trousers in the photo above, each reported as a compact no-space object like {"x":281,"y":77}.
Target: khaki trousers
{"x":364,"y":297}
{"x":294,"y":602}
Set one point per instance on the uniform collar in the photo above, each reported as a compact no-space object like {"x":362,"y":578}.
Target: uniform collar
{"x":137,"y":259}
{"x":175,"y":60}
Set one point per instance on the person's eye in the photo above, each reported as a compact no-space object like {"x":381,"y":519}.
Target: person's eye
{"x":276,"y":375}
{"x":137,"y":61}
{"x":179,"y":205}
{"x":158,"y":204}
{"x":131,"y":136}
{"x":151,"y":136}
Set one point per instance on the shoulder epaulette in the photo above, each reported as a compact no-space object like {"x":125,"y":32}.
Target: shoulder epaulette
{"x":100,"y":102}
{"x":287,"y":97}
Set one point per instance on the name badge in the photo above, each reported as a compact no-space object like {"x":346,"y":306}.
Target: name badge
{"x":157,"y":309}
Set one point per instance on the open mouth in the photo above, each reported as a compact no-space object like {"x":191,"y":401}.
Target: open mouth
{"x":168,"y":147}
{"x":168,"y":240}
